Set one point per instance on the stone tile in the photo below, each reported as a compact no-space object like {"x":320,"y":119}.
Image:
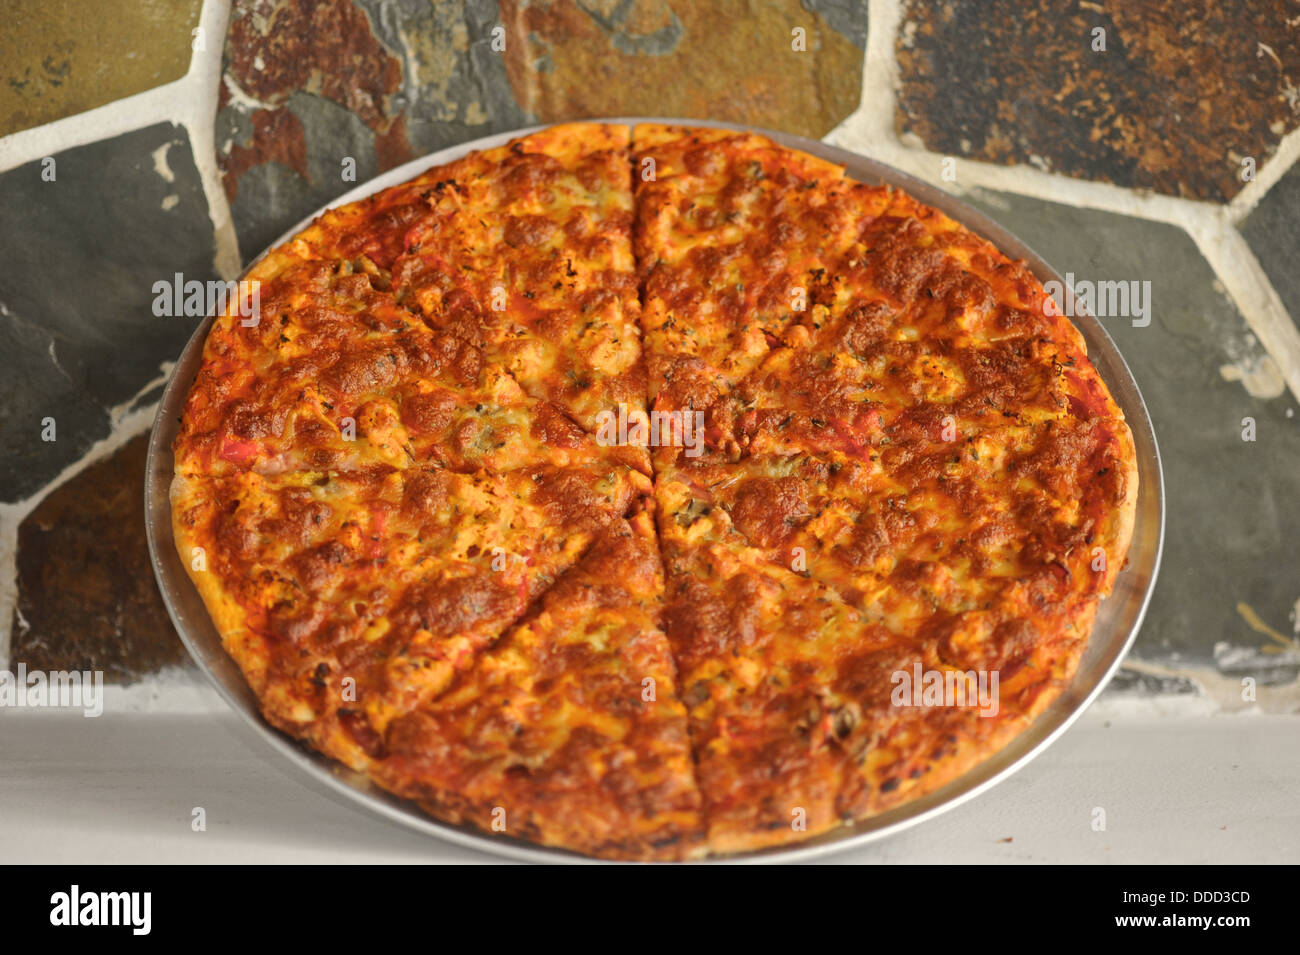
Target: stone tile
{"x":310,"y":84}
{"x":703,"y":60}
{"x":77,"y":327}
{"x":1180,"y":95}
{"x":86,"y":593}
{"x":60,"y":57}
{"x":1232,"y":541}
{"x":848,"y":17}
{"x":1273,"y":231}
{"x":454,"y":84}
{"x":282,"y":178}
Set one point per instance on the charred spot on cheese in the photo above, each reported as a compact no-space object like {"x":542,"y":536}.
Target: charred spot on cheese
{"x":708,"y":622}
{"x":529,"y":230}
{"x":553,"y":427}
{"x":322,"y":567}
{"x":580,"y":499}
{"x":769,"y":510}
{"x":425,"y":493}
{"x":446,"y":608}
{"x":367,"y":370}
{"x":878,"y":536}
{"x":431,"y":412}
{"x":690,"y":383}
{"x":865,"y":325}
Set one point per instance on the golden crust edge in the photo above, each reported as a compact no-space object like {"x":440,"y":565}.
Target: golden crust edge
{"x":227,"y":615}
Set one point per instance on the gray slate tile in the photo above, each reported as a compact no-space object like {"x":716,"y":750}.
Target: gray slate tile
{"x":81,"y":255}
{"x":1273,"y":231}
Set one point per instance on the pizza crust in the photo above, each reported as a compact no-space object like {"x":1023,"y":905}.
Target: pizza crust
{"x":195,"y":550}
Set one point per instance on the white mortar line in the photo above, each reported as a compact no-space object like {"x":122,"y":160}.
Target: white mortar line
{"x":205,"y":78}
{"x":158,"y":105}
{"x":870,"y":130}
{"x":171,"y":102}
{"x":1249,"y":287}
{"x":1216,"y":692}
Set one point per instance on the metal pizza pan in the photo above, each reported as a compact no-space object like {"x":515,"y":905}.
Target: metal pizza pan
{"x":1117,"y":623}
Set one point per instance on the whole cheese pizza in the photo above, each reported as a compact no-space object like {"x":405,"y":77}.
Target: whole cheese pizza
{"x":650,"y":492}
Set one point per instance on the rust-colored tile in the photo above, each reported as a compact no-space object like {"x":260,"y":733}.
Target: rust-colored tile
{"x":576,"y":58}
{"x":325,"y":47}
{"x":1181,"y":94}
{"x":86,"y":593}
{"x":60,"y":57}
{"x":277,"y":137}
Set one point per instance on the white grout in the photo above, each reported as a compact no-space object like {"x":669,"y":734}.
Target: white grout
{"x":1251,"y":291}
{"x":205,"y":77}
{"x":1283,"y":158}
{"x":189,"y":102}
{"x":160,"y":163}
{"x":161,"y":104}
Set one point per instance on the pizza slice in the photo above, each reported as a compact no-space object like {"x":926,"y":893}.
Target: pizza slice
{"x":972,"y":468}
{"x":568,"y":732}
{"x":757,"y":651}
{"x":799,"y":310}
{"x":738,"y":240}
{"x":931,"y":333}
{"x":334,"y":374}
{"x":807,"y":711}
{"x":526,"y":254}
{"x":1011,"y":517}
{"x":379,"y":584}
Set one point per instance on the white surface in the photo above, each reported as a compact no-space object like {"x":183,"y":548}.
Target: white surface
{"x":121,"y":788}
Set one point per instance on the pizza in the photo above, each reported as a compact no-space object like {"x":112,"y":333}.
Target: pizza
{"x":651,"y":493}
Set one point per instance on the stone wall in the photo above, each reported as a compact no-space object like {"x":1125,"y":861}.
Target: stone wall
{"x":1153,"y":142}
